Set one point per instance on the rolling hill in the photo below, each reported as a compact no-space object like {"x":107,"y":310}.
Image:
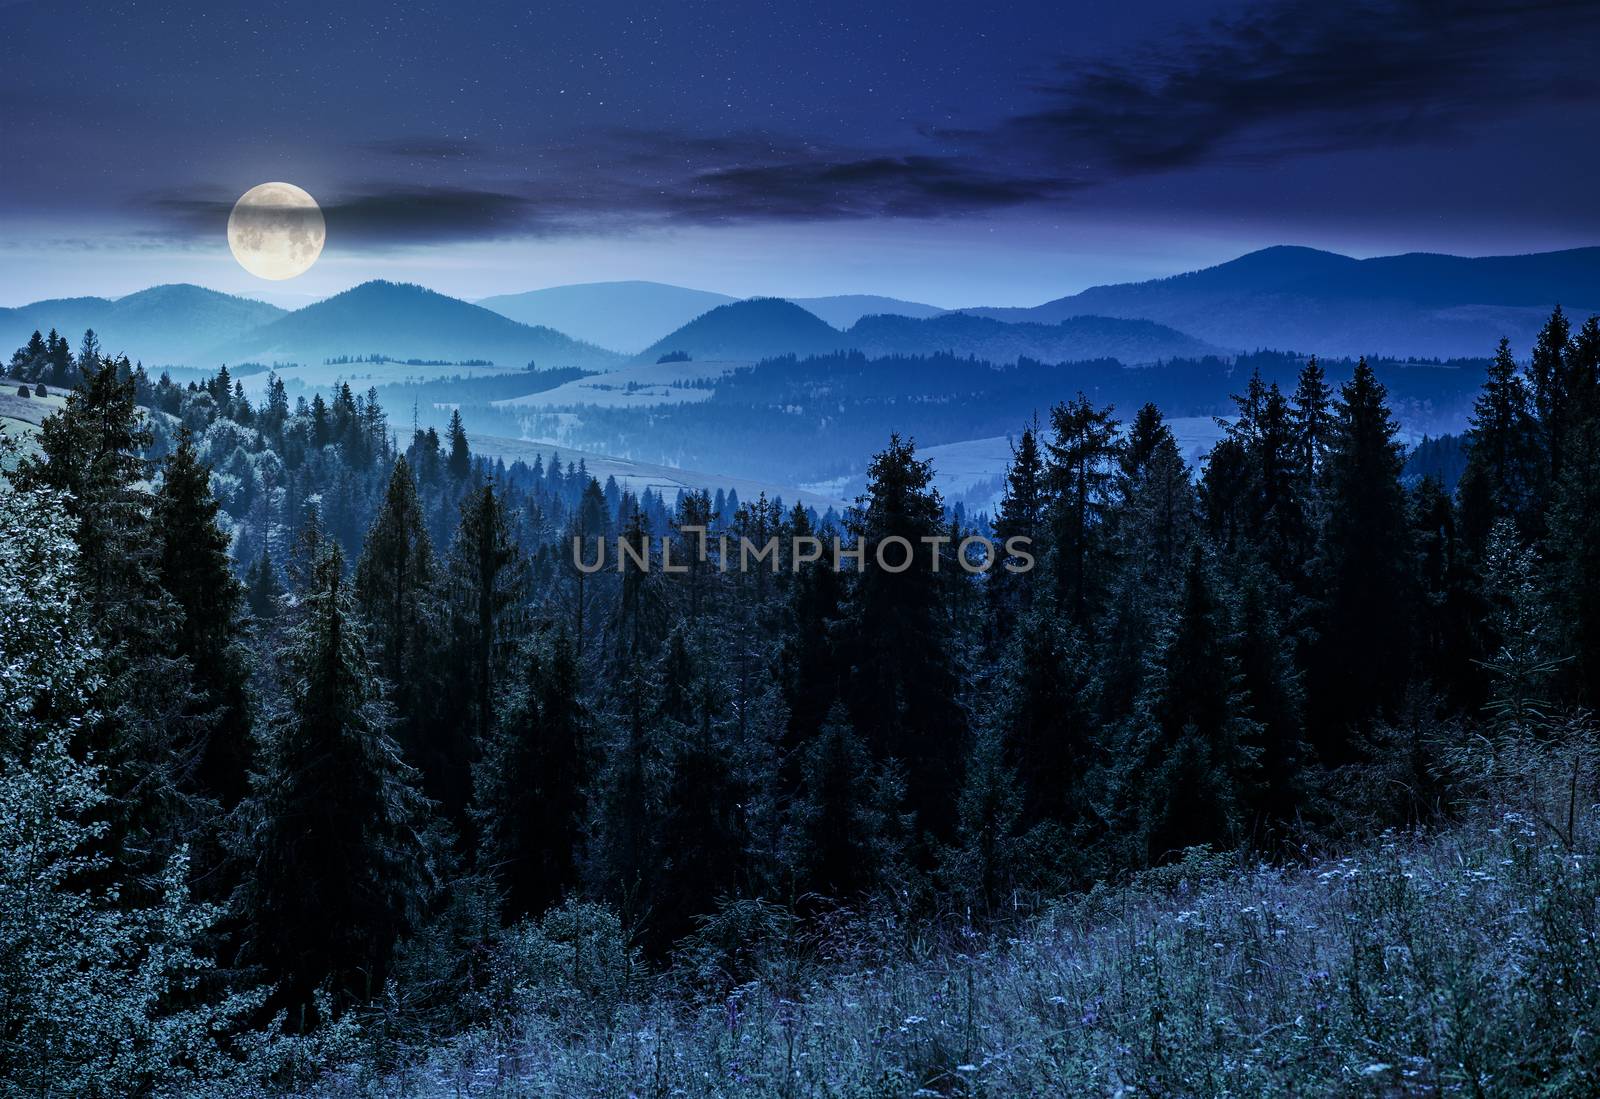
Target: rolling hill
{"x":630,"y":316}
{"x":1133,"y":342}
{"x":622,"y":316}
{"x":161,"y":326}
{"x":407,"y":322}
{"x":1309,"y":300}
{"x":766,"y":327}
{"x":843,"y":310}
{"x":756,"y":328}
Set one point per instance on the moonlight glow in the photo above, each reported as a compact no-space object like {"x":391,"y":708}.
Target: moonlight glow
{"x":276,"y":231}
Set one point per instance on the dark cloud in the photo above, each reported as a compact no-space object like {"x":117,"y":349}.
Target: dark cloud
{"x":390,"y":215}
{"x":1309,"y":76}
{"x":914,"y":186}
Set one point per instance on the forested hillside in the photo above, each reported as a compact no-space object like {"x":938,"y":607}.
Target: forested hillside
{"x":323,"y":766}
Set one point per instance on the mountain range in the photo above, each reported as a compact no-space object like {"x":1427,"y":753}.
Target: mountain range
{"x":408,"y":322}
{"x":762,"y":328}
{"x":177,"y":323}
{"x":630,"y":316}
{"x":1307,"y":300}
{"x":1284,"y":298}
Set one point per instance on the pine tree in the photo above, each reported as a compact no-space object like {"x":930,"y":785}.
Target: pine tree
{"x":488,"y":584}
{"x":459,"y":462}
{"x":1360,"y":663}
{"x":87,"y":977}
{"x":396,"y":590}
{"x":702,"y":828}
{"x":847,"y":827}
{"x":1155,"y":522}
{"x":321,"y":424}
{"x":197,"y":572}
{"x":1449,"y":607}
{"x":530,"y":786}
{"x":89,"y":354}
{"x":902,"y":688}
{"x":589,"y":527}
{"x":1271,"y":695}
{"x":337,"y":831}
{"x":145,"y":734}
{"x":1311,"y":414}
{"x":1082,"y":454}
{"x":1045,"y":725}
{"x":1550,"y":390}
{"x":1199,"y":755}
{"x":991,"y":858}
{"x":1021,"y":515}
{"x":1503,"y":471}
{"x":622,"y":857}
{"x":63,"y":371}
{"x":1574,"y":543}
{"x":809,"y":660}
{"x":263,"y":589}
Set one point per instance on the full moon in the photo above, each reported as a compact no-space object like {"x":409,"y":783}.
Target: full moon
{"x":276,"y":231}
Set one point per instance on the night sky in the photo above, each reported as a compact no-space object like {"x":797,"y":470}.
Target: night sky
{"x":958,"y":153}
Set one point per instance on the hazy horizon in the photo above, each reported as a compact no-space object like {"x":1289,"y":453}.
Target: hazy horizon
{"x":329,"y":277}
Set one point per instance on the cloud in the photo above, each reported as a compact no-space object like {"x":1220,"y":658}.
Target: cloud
{"x":376,"y":214}
{"x":1277,"y":82}
{"x":904,"y":186}
{"x":1307,"y":76}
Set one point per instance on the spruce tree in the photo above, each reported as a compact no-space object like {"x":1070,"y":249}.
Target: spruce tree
{"x":263,"y":589}
{"x":622,"y":857}
{"x":396,"y":590}
{"x":487,"y":590}
{"x":1081,"y":461}
{"x":1448,"y":605}
{"x":1045,"y":723}
{"x":196,"y":570}
{"x":1312,"y":416}
{"x":459,"y":462}
{"x":902,"y":687}
{"x":530,"y":785}
{"x":1200,"y":753}
{"x":337,"y":831}
{"x":847,"y":826}
{"x":810,"y":670}
{"x":1021,"y":515}
{"x":991,"y":858}
{"x":1271,"y":695}
{"x":1360,"y":663}
{"x":1574,"y":543}
{"x":702,"y":830}
{"x":586,"y":535}
{"x":1550,"y":390}
{"x":1503,"y":471}
{"x":1155,"y":522}
{"x":147,"y":733}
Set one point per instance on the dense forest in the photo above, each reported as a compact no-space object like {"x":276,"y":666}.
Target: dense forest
{"x":323,"y":767}
{"x":805,"y":419}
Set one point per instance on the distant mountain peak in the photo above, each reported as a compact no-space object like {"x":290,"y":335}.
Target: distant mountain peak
{"x":1291,"y":297}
